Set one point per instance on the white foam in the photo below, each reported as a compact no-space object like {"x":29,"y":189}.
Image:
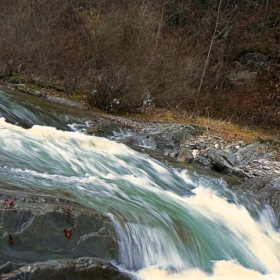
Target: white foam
{"x":222,"y":270}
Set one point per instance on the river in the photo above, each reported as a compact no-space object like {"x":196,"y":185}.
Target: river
{"x":171,"y":223}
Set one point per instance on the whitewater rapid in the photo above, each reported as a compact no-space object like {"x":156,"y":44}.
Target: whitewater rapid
{"x":171,"y":223}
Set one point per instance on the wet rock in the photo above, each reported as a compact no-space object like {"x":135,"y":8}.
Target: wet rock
{"x":185,"y":155}
{"x":22,"y":87}
{"x":250,"y":152}
{"x":41,"y":229}
{"x":164,"y":138}
{"x":163,"y":143}
{"x":78,"y":269}
{"x":204,"y":162}
{"x":238,"y":159}
{"x":267,"y":190}
{"x":240,"y":173}
{"x":222,"y":160}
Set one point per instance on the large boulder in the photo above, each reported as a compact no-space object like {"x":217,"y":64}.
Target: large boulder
{"x":35,"y":228}
{"x":250,"y":152}
{"x":248,"y":66}
{"x":245,"y":161}
{"x":221,"y":160}
{"x":166,"y":137}
{"x":266,"y":189}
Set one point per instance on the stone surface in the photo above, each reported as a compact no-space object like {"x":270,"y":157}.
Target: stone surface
{"x":185,"y":155}
{"x":266,"y":189}
{"x":239,"y":159}
{"x":36,"y":228}
{"x":221,"y":160}
{"x":254,"y":159}
{"x":70,"y":269}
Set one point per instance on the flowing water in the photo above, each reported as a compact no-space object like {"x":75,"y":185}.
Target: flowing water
{"x":171,"y":223}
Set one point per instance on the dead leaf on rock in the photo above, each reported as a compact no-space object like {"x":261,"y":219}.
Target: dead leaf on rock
{"x":7,"y":203}
{"x":11,"y":240}
{"x":67,"y":233}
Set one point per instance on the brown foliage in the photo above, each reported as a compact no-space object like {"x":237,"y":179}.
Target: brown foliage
{"x":121,"y":53}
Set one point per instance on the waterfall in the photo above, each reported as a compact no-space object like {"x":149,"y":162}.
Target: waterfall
{"x":171,"y":223}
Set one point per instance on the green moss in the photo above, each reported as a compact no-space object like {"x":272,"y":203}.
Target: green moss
{"x":34,"y":86}
{"x":56,"y":87}
{"x":11,"y":78}
{"x":39,"y":84}
{"x":268,"y":140}
{"x":75,"y":95}
{"x":10,"y":75}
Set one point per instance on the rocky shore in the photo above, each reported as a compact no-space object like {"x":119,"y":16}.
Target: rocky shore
{"x":254,"y":168}
{"x":185,"y":143}
{"x":192,"y":144}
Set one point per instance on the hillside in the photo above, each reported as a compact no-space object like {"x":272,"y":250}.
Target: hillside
{"x":218,"y":59}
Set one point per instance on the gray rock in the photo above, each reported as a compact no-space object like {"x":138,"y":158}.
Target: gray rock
{"x":240,"y":173}
{"x":78,"y":269}
{"x":203,"y":161}
{"x":249,"y":153}
{"x":36,"y":228}
{"x":185,"y":155}
{"x":266,"y":189}
{"x":243,"y":75}
{"x":163,"y":143}
{"x":266,"y":167}
{"x":222,"y":160}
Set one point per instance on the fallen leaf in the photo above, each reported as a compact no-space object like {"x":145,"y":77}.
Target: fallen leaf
{"x":67,"y":212}
{"x":7,"y":203}
{"x":11,"y":240}
{"x":67,"y":233}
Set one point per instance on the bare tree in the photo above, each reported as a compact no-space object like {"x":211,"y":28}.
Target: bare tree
{"x":207,"y":60}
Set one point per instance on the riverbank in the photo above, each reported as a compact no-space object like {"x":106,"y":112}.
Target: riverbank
{"x":211,"y":144}
{"x":94,"y":172}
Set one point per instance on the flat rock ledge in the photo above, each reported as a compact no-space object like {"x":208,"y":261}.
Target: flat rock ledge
{"x":35,"y":228}
{"x":70,"y":269}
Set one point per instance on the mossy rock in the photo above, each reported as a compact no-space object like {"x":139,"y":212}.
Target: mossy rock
{"x":34,"y":86}
{"x":56,"y":87}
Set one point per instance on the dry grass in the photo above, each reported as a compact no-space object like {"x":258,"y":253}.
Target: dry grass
{"x":232,"y":132}
{"x":225,"y":129}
